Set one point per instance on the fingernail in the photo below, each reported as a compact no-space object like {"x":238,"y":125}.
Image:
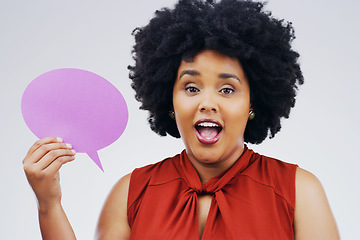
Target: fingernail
{"x":68,"y":145}
{"x":59,"y":139}
{"x":73,"y":151}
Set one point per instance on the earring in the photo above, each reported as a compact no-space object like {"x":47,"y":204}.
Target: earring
{"x":172,"y":114}
{"x":251,"y":115}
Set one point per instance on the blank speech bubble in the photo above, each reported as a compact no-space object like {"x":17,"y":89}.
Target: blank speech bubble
{"x":79,"y":106}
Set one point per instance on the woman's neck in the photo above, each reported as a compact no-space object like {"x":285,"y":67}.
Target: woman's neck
{"x":207,"y":171}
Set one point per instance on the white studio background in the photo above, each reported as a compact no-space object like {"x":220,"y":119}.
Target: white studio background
{"x":40,"y":35}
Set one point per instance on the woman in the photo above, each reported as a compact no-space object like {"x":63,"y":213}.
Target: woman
{"x":217,"y":75}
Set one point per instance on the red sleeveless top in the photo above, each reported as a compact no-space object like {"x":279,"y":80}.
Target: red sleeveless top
{"x":254,"y":199}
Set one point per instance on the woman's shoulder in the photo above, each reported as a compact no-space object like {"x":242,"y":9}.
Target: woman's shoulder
{"x":271,"y":171}
{"x":157,"y":173}
{"x":113,"y":221}
{"x":313,"y":216}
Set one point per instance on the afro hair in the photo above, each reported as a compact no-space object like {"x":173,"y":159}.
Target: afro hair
{"x":236,"y":28}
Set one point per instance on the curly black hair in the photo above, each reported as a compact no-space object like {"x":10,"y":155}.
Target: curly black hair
{"x":236,"y":28}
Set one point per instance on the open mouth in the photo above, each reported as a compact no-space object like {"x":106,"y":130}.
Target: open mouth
{"x":208,"y":131}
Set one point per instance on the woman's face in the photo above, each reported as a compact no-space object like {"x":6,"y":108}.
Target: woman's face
{"x":211,"y":101}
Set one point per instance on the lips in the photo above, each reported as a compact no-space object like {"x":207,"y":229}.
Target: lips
{"x":208,"y":131}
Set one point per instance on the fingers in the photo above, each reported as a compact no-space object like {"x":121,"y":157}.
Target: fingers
{"x":50,"y":153}
{"x":41,"y":142}
{"x":45,"y":149}
{"x":55,"y":152}
{"x":57,"y":164}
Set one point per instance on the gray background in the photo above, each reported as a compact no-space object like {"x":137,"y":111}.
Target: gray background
{"x":40,"y":35}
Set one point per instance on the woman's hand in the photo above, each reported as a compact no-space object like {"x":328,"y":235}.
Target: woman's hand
{"x":41,"y":166}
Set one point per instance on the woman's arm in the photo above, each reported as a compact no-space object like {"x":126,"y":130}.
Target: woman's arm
{"x":313,"y":217}
{"x":41,"y":166}
{"x":54,"y":224}
{"x":113,"y":222}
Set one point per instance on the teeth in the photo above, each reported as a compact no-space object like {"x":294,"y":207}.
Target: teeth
{"x":208,"y":124}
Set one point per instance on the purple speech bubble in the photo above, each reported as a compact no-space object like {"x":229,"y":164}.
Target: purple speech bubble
{"x":79,"y":106}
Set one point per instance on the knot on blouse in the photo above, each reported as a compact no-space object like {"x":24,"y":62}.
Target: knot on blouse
{"x":215,"y":184}
{"x":204,"y":191}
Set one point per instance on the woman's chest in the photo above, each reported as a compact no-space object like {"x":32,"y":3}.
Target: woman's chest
{"x":204,"y":202}
{"x":224,"y":215}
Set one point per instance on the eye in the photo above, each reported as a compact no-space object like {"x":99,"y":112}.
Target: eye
{"x":192,"y":89}
{"x":227,"y":91}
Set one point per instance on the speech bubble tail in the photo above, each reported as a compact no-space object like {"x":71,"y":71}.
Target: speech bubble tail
{"x":95,"y":157}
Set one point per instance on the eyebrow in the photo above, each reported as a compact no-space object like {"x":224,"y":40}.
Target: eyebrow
{"x":189,"y":72}
{"x":228,"y":75}
{"x":196,"y":73}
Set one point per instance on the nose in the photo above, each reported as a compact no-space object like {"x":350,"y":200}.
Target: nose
{"x":208,"y":103}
